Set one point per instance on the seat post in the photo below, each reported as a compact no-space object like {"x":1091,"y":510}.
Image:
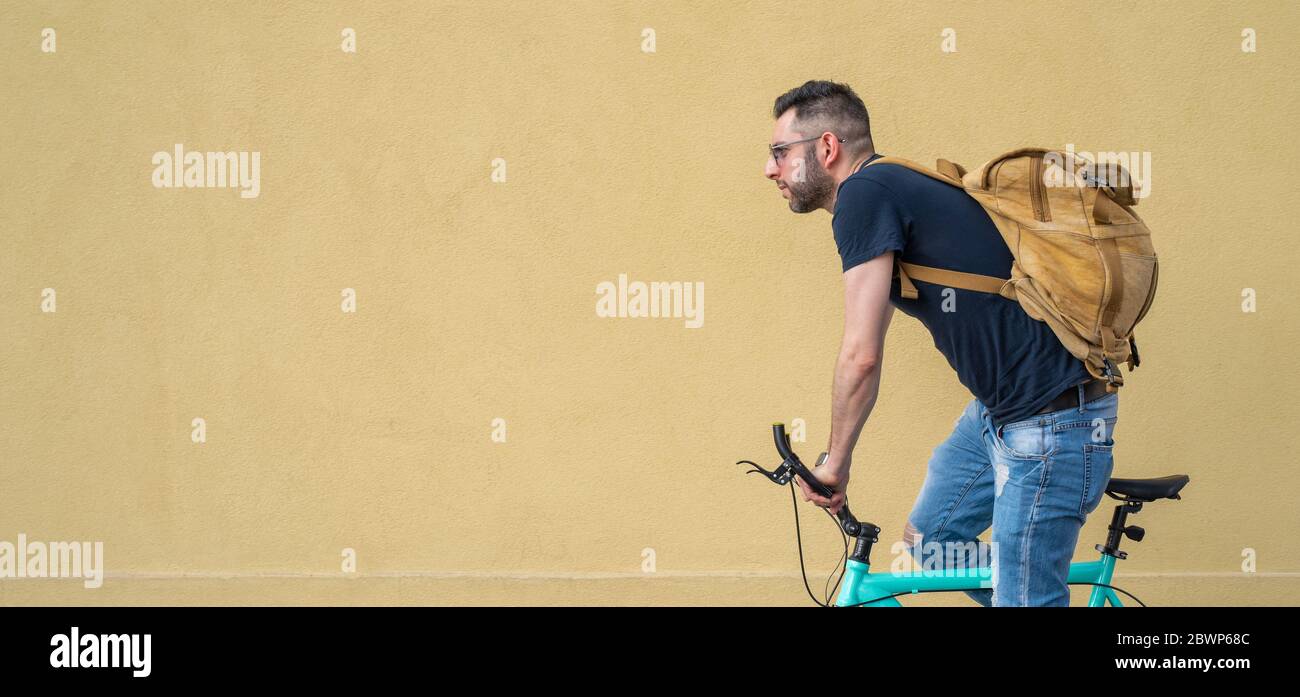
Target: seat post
{"x":1119,"y":528}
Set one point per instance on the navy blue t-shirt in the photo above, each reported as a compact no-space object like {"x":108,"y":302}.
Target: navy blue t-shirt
{"x":1013,"y":364}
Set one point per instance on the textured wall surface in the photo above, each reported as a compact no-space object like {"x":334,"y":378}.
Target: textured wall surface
{"x":475,"y":298}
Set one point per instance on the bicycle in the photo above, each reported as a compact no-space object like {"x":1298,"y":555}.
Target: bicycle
{"x":862,"y":588}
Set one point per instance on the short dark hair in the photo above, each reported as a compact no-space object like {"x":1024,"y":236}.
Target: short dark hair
{"x":821,"y":105}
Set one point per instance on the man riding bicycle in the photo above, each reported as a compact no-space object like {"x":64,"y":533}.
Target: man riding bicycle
{"x":1030,"y":455}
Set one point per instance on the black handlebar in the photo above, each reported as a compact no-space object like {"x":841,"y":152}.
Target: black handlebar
{"x":782,"y":442}
{"x":783,"y":447}
{"x":791,"y":466}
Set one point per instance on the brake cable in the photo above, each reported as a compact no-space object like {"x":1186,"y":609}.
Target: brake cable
{"x":803,"y":571}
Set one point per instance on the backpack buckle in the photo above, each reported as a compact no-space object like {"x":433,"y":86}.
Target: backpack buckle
{"x":1110,"y":372}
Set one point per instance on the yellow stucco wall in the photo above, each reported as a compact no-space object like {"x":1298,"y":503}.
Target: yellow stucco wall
{"x":475,"y":298}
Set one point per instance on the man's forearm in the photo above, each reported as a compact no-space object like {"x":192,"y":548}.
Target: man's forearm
{"x":853,"y":395}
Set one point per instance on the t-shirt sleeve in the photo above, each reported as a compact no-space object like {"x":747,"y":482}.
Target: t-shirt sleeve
{"x":868,"y":222}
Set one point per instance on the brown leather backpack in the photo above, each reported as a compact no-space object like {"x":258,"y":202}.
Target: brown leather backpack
{"x":1084,"y":263}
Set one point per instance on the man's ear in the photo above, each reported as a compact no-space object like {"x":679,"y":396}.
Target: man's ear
{"x":835,"y":146}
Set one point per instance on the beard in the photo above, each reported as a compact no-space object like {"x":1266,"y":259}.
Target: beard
{"x":815,"y":190}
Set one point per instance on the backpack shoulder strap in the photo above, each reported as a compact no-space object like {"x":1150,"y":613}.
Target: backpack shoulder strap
{"x":954,"y":279}
{"x":948,"y":172}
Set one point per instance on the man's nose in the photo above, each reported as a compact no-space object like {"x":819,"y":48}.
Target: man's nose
{"x":770,"y":170}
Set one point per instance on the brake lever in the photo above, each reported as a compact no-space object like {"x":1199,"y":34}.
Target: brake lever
{"x":787,"y":471}
{"x":781,"y":475}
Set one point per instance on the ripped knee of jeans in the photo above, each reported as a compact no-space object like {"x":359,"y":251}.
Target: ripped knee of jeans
{"x":911,"y":538}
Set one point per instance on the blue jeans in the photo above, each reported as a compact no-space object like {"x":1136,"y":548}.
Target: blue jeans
{"x":1034,"y":481}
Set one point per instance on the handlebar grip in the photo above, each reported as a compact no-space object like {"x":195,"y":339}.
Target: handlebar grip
{"x":782,"y":442}
{"x":783,"y":447}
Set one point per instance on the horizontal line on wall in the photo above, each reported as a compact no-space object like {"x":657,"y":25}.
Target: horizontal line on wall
{"x":597,"y":575}
{"x":514,"y":575}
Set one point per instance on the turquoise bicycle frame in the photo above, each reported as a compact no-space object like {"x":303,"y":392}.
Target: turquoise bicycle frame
{"x":861,"y":588}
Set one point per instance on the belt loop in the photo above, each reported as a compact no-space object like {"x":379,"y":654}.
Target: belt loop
{"x":1081,"y":398}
